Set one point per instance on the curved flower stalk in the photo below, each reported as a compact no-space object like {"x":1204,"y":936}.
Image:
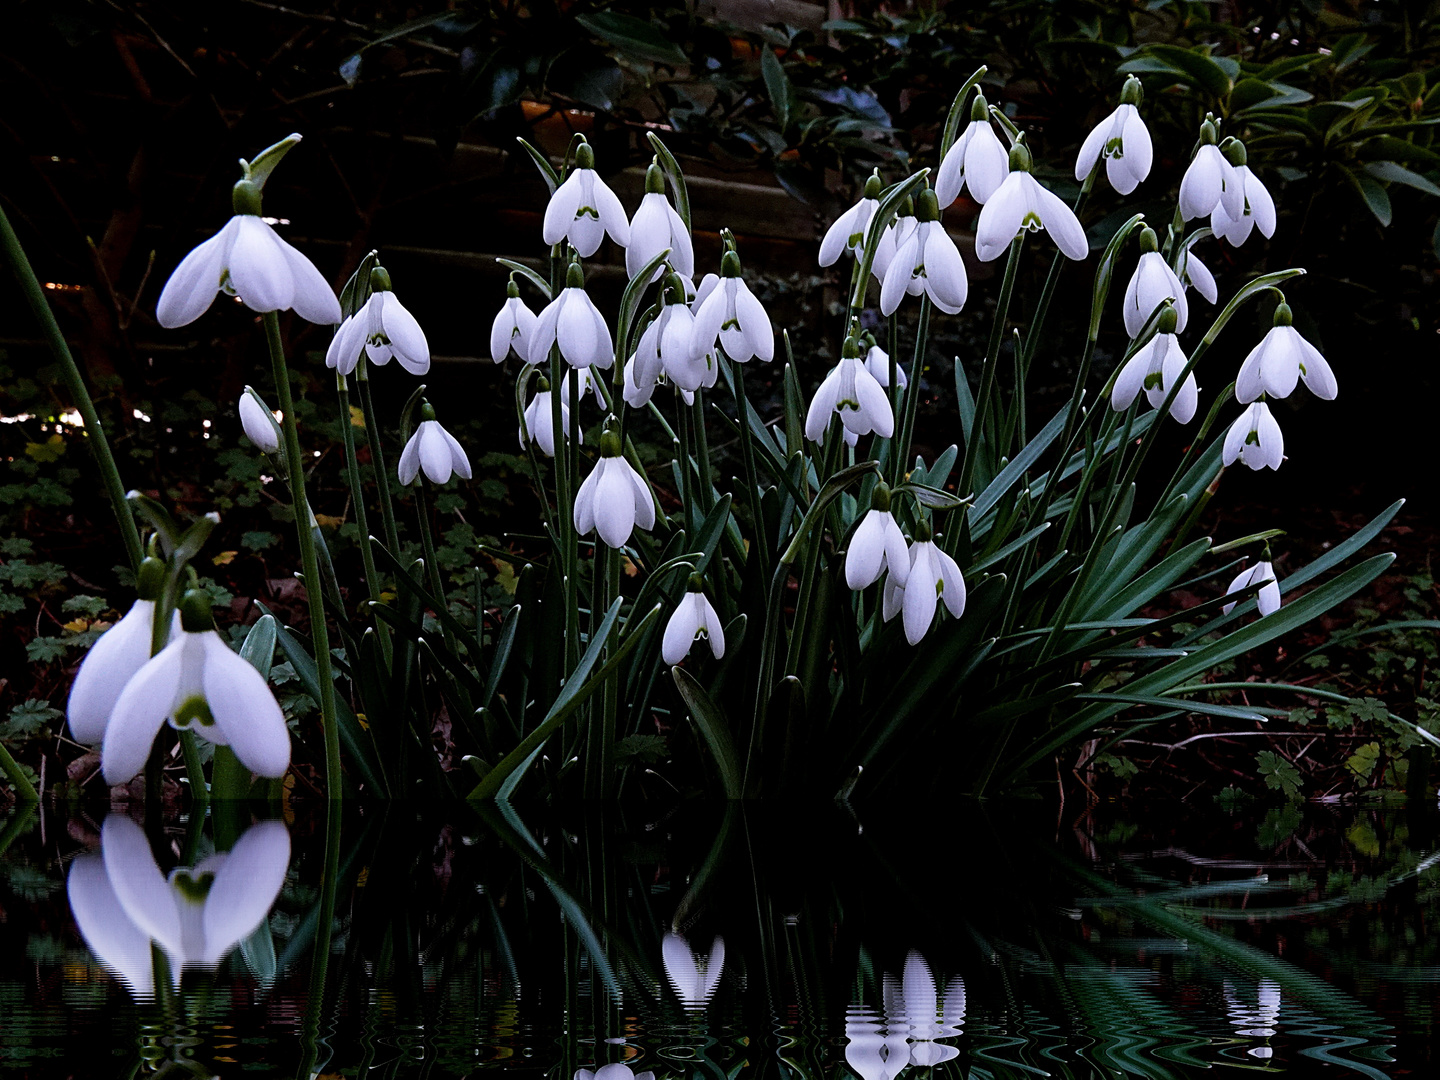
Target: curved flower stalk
{"x":655,"y":227}
{"x":1022,"y":205}
{"x":847,"y":232}
{"x":933,"y":576}
{"x":258,"y":422}
{"x":1281,"y":360}
{"x":1154,"y":368}
{"x":927,"y":263}
{"x":196,"y":683}
{"x":433,"y":450}
{"x":382,"y":328}
{"x":693,"y":976}
{"x":614,"y":498}
{"x":694,"y":618}
{"x":1257,"y":211}
{"x":977,"y":160}
{"x":1152,"y":285}
{"x":1255,"y":439}
{"x":1193,"y":272}
{"x":1268,"y":598}
{"x":1124,"y":141}
{"x":1210,"y":180}
{"x":537,"y":420}
{"x":855,"y":394}
{"x":877,"y":545}
{"x":513,"y":328}
{"x":573,"y":322}
{"x":877,"y":363}
{"x":583,"y":209}
{"x":730,"y":314}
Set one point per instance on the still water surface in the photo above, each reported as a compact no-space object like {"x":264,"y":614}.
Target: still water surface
{"x":708,"y":943}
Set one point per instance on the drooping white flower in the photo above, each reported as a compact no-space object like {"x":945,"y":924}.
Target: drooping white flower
{"x":1255,"y":439}
{"x":1194,"y":272}
{"x":693,"y":976}
{"x":573,"y":322}
{"x":614,"y":498}
{"x":434,"y":450}
{"x":1152,"y":285}
{"x":892,"y":239}
{"x":694,"y":618}
{"x":581,"y":381}
{"x":928,"y":262}
{"x":1021,"y":205}
{"x":1210,"y":180}
{"x":1281,"y":360}
{"x":877,"y":363}
{"x":933,"y":577}
{"x":977,"y":160}
{"x":382,"y":328}
{"x":258,"y":422}
{"x":513,"y":329}
{"x":1154,"y":368}
{"x":1123,"y":139}
{"x":1268,"y":598}
{"x":583,"y":209}
{"x":1257,"y":210}
{"x":537,"y":421}
{"x":196,"y":682}
{"x":855,"y":394}
{"x":655,"y":227}
{"x":847,"y":232}
{"x":877,"y":545}
{"x":731,"y":314}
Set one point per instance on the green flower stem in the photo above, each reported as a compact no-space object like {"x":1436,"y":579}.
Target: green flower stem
{"x":432,"y":564}
{"x":571,"y":446}
{"x":600,"y":732}
{"x":905,"y":426}
{"x":24,"y":790}
{"x":94,"y":430}
{"x":357,"y":499}
{"x":687,"y":484}
{"x":702,"y":453}
{"x":229,"y":780}
{"x":194,"y":771}
{"x":974,"y":444}
{"x":377,"y":458}
{"x":761,"y":548}
{"x":309,"y":561}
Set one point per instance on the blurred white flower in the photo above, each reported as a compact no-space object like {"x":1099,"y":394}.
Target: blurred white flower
{"x":258,"y":422}
{"x":877,"y":363}
{"x":583,"y":209}
{"x":614,"y":1071}
{"x":1255,"y":439}
{"x":1267,"y":599}
{"x":434,"y":450}
{"x":693,"y":975}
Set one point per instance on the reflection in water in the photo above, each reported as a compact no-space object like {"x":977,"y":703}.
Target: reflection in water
{"x":693,"y":976}
{"x":1257,"y":1020}
{"x":879,"y":1045}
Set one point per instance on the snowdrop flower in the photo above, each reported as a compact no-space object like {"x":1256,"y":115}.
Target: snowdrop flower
{"x":614,"y":498}
{"x":513,"y":328}
{"x":1021,"y":205}
{"x":1123,"y":139}
{"x":1154,"y":368}
{"x":1257,"y":210}
{"x":656,"y":227}
{"x":1152,"y":285}
{"x":928,"y":262}
{"x":614,"y":1071}
{"x":732,"y":314}
{"x":694,"y":618}
{"x":1210,"y":180}
{"x":258,"y":422}
{"x":248,"y":259}
{"x":115,"y":658}
{"x":1196,"y":273}
{"x":914,"y":1005}
{"x":977,"y":160}
{"x":198,"y":683}
{"x":933,"y":577}
{"x":847,"y":233}
{"x":583,"y":209}
{"x":382,"y":328}
{"x":893,"y":238}
{"x":573,"y":322}
{"x":855,"y":394}
{"x":1255,"y":439}
{"x":693,"y":976}
{"x":582,"y":381}
{"x":1268,"y":598}
{"x":877,"y":545}
{"x":672,"y":340}
{"x":537,"y":421}
{"x":434,"y":450}
{"x":877,"y":363}
{"x":1282,"y":359}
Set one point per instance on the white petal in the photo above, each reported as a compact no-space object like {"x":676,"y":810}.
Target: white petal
{"x":1091,"y":149}
{"x":111,"y":662}
{"x":612,"y":214}
{"x":1000,"y":219}
{"x":344,"y":352}
{"x":987,"y":163}
{"x":1272,"y":440}
{"x":406,"y":337}
{"x":897,"y":555}
{"x":585,"y":499}
{"x":899,"y":274}
{"x":142,"y":707}
{"x":1240,"y":581}
{"x":1202,"y":184}
{"x":874,"y":405}
{"x":410,"y":457}
{"x":245,"y":886}
{"x":1131,"y":379}
{"x":754,"y":323}
{"x":892,"y":597}
{"x":121,"y":946}
{"x":259,"y":269}
{"x":920,"y":595}
{"x":944,"y":271}
{"x":575,"y":330}
{"x":193,"y":284}
{"x":458,"y":461}
{"x":245,"y":710}
{"x":1235,"y":437}
{"x":682,"y":250}
{"x":1232,"y":192}
{"x":142,"y":890}
{"x":822,"y":406}
{"x":866,"y":556}
{"x":614,"y":505}
{"x":434,"y":452}
{"x":1268,"y":598}
{"x":1280,"y":361}
{"x":1262,"y":206}
{"x":715,"y":635}
{"x":546,"y":326}
{"x":1315,"y":370}
{"x":950,"y":177}
{"x":1137,"y":152}
{"x":1060,"y":222}
{"x":953,"y":592}
{"x":313,"y":299}
{"x":644,"y":501}
{"x":561,"y":210}
{"x":680,"y":632}
{"x":1248,"y":383}
{"x":1199,"y":275}
{"x":649,"y":234}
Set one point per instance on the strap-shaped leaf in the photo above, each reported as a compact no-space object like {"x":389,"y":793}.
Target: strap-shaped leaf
{"x":714,"y":729}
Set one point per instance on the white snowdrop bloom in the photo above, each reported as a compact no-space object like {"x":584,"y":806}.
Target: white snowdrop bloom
{"x":1152,"y":285}
{"x":892,"y":239}
{"x":614,"y":1071}
{"x":382,"y":328}
{"x":1255,"y":439}
{"x":196,"y":682}
{"x":537,"y":421}
{"x":583,"y":381}
{"x":573,"y":322}
{"x":1154,"y":368}
{"x":847,"y":232}
{"x":258,"y":422}
{"x":1209,"y":180}
{"x":892,"y":597}
{"x":1123,"y":139}
{"x":697,"y":294}
{"x":248,"y":259}
{"x":877,"y":545}
{"x":1281,"y":360}
{"x":731,"y":313}
{"x":513,"y":329}
{"x":434,"y":450}
{"x":693,"y":976}
{"x":855,"y":394}
{"x":694,"y":618}
{"x":877,"y":363}
{"x":583,"y":209}
{"x":977,"y":160}
{"x":1256,"y":211}
{"x":1021,"y":205}
{"x":933,"y":577}
{"x":655,"y":227}
{"x":928,"y":262}
{"x":1268,"y":598}
{"x":1196,"y":273}
{"x":614,"y":498}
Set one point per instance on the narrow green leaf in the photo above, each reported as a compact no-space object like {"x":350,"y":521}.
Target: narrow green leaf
{"x":675,"y":174}
{"x":529,"y":275}
{"x":259,"y":645}
{"x":713,"y":728}
{"x":777,"y":85}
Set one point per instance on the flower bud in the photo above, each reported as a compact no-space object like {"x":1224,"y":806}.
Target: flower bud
{"x":1234,"y":151}
{"x":258,"y":423}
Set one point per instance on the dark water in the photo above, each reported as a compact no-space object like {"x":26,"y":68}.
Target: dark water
{"x":955,"y":940}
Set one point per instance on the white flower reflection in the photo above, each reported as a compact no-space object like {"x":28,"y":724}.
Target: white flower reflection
{"x":918,"y":1012}
{"x":1257,"y":1021}
{"x":614,"y":1071}
{"x":122,"y":902}
{"x":693,"y":976}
